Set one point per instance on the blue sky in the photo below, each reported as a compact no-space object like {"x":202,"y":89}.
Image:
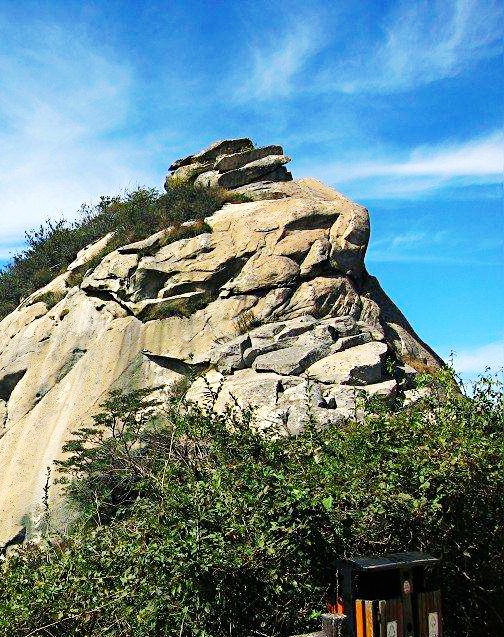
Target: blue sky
{"x":396,"y":104}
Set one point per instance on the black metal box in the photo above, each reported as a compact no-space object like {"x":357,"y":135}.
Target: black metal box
{"x":390,"y":596}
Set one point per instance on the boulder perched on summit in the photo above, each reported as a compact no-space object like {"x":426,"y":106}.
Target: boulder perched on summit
{"x":232,"y":163}
{"x":215,"y":150}
{"x":266,"y":306}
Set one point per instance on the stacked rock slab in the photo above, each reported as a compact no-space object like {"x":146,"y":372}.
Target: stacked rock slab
{"x":280,"y":316}
{"x":231,"y":164}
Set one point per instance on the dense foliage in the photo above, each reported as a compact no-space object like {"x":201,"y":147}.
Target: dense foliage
{"x":52,"y":247}
{"x":191,"y":525}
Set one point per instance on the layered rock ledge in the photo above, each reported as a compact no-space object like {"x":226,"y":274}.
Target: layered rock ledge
{"x":231,"y":164}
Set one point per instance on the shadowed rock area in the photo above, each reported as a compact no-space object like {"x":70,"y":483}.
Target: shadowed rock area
{"x":280,"y":315}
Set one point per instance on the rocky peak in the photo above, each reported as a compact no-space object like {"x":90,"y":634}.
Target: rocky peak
{"x":232,"y":163}
{"x":270,"y":306}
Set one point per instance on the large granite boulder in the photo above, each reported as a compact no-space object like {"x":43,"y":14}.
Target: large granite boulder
{"x":279,"y":315}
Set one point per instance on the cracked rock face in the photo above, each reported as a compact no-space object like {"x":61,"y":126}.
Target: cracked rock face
{"x":280,"y":316}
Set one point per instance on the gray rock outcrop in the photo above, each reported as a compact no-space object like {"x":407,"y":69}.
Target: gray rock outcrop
{"x":232,"y":164}
{"x":280,"y":316}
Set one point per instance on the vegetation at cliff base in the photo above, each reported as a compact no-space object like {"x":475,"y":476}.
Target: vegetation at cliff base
{"x":187,"y":524}
{"x":53,"y":246}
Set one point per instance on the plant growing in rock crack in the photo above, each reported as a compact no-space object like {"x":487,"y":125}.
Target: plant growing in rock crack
{"x":245,"y":322}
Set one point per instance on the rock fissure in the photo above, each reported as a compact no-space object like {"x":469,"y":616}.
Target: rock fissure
{"x":9,"y":382}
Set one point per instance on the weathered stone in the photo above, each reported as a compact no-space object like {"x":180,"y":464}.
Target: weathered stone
{"x":299,"y":405}
{"x":85,"y":255}
{"x":64,"y":348}
{"x":264,"y":189}
{"x":316,"y":257}
{"x":296,"y":326}
{"x":299,"y":243}
{"x":323,"y":296}
{"x":151,"y":242}
{"x":190,"y":339}
{"x":412,"y":396}
{"x":271,"y":303}
{"x":248,"y":389}
{"x":60,"y":285}
{"x":208,"y":178}
{"x":57,"y":288}
{"x":175,"y":304}
{"x":112,"y":273}
{"x":221,"y":147}
{"x":188,"y":172}
{"x":205,"y":389}
{"x":375,"y":331}
{"x":261,"y":345}
{"x":280,"y":335}
{"x":342,"y":325}
{"x":292,"y":361}
{"x":267,"y":331}
{"x":346,"y":342}
{"x":228,"y":357}
{"x":386,"y":388}
{"x":253,"y":171}
{"x":281,"y":404}
{"x":71,"y":363}
{"x":349,"y":239}
{"x":361,"y":364}
{"x":264,"y":271}
{"x":237,"y":160}
{"x":345,"y":398}
{"x":3,"y":415}
{"x":280,"y":173}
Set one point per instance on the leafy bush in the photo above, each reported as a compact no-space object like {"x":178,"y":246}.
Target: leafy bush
{"x":197,"y":525}
{"x":138,"y":214}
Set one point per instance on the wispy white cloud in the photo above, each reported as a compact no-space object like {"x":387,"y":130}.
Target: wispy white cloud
{"x":277,"y":61}
{"x":478,"y":157}
{"x":422,"y":246}
{"x":62,"y":101}
{"x":422,"y":169}
{"x":476,"y":360}
{"x":424,"y":42}
{"x":417,"y":43}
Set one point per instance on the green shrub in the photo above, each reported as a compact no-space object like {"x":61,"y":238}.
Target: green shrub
{"x":197,"y":525}
{"x":51,"y":299}
{"x":52,"y":247}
